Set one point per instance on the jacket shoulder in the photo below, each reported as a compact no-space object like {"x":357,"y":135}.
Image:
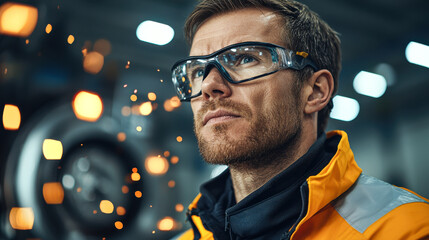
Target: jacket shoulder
{"x":376,"y":208}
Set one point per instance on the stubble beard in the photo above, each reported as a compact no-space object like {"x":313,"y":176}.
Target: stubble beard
{"x":271,"y":137}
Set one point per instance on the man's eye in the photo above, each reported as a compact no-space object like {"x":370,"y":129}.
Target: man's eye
{"x":198,"y":73}
{"x":247,"y":59}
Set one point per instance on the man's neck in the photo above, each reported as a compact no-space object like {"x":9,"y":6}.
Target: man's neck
{"x":247,"y":179}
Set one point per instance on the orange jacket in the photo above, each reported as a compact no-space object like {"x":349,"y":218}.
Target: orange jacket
{"x":345,"y":204}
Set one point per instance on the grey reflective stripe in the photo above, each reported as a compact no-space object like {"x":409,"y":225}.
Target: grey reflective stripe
{"x":369,"y":199}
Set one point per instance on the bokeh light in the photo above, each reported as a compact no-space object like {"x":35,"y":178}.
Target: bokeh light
{"x":174,"y":159}
{"x":103,"y":46}
{"x":93,"y":62}
{"x":70,"y":39}
{"x":138,"y":194}
{"x":135,"y":176}
{"x":48,"y":28}
{"x":179,"y":207}
{"x":11,"y":117}
{"x":145,"y":108}
{"x":156,"y":165}
{"x":53,"y":193}
{"x":106,"y":206}
{"x":120,"y":211}
{"x":151,"y":96}
{"x":166,"y":224}
{"x":119,"y":225}
{"x":121,"y":137}
{"x":171,"y":184}
{"x":133,"y":97}
{"x":21,"y":218}
{"x":87,"y":106}
{"x":52,"y":149}
{"x":17,"y":19}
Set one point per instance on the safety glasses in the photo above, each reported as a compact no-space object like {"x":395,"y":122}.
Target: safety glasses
{"x":237,"y":63}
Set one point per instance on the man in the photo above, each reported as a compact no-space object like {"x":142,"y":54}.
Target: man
{"x":260,"y":81}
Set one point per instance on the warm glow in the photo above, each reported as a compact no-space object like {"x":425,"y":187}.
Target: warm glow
{"x":87,"y":106}
{"x":103,"y":46}
{"x":21,"y":218}
{"x":52,"y":149}
{"x":17,"y":19}
{"x":121,"y":211}
{"x":53,"y":193}
{"x":119,"y":225}
{"x":174,"y":159}
{"x":48,"y":28}
{"x":151,"y":96}
{"x":179,"y":138}
{"x":11,"y":117}
{"x":175,"y":102}
{"x":166,"y":224}
{"x":167,"y":106}
{"x":133,"y":98}
{"x":166,"y":154}
{"x":134,"y":170}
{"x":135,"y":177}
{"x":138,"y":194}
{"x":135,"y":109}
{"x":126,"y":111}
{"x":156,"y":165}
{"x":171,"y":184}
{"x":70,"y":39}
{"x":106,"y":206}
{"x":121,"y":137}
{"x":139,"y":128}
{"x":145,"y":108}
{"x":125,"y":189}
{"x":93,"y":62}
{"x":179,"y":207}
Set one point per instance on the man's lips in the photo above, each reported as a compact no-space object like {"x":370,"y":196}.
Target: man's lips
{"x":218,"y":115}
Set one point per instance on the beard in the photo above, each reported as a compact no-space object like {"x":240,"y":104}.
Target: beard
{"x":271,"y":136}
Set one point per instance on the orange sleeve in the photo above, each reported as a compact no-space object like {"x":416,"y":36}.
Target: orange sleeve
{"x":406,"y":222}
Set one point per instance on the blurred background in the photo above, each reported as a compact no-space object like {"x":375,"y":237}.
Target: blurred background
{"x":94,"y":145}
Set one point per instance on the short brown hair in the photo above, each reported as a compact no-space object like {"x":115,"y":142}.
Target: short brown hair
{"x":304,"y":30}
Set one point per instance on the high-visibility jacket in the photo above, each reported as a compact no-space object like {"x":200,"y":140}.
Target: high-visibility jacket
{"x":345,"y":204}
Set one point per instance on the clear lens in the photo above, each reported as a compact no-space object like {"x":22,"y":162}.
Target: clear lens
{"x":240,"y":63}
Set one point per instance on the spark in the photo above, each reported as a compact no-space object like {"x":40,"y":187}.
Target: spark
{"x":125,"y":85}
{"x":70,"y":39}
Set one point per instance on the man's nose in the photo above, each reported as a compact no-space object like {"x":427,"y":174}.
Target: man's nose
{"x":215,"y":85}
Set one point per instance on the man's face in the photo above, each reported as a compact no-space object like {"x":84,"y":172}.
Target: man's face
{"x":243,"y":123}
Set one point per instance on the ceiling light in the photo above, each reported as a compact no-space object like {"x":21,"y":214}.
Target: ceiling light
{"x":154,"y":32}
{"x":370,"y":84}
{"x":417,"y":53}
{"x":345,"y":109}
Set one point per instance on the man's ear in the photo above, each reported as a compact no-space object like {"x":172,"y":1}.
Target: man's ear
{"x":319,"y":89}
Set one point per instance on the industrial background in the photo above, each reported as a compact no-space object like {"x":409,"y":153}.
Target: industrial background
{"x":94,"y":145}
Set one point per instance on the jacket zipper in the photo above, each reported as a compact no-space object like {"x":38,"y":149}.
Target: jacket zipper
{"x":304,"y":199}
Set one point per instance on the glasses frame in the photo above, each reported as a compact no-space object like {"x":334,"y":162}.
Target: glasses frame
{"x":299,"y":60}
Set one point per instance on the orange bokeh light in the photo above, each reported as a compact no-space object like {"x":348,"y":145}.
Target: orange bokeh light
{"x":166,"y":154}
{"x":138,"y":194}
{"x":174,"y":159}
{"x":103,"y":46}
{"x":121,"y":137}
{"x":179,"y":138}
{"x":166,"y":224}
{"x":133,"y":97}
{"x":93,"y":62}
{"x":126,"y":111}
{"x":17,"y":19}
{"x":52,"y":149}
{"x":171,"y":184}
{"x":125,"y":189}
{"x":120,"y":211}
{"x":119,"y":225}
{"x":53,"y":193}
{"x":145,"y":108}
{"x":87,"y":106}
{"x":151,"y":96}
{"x":175,"y":102}
{"x":156,"y":165}
{"x":135,"y":176}
{"x":48,"y":28}
{"x":106,"y":206}
{"x":21,"y":218}
{"x":70,"y":39}
{"x":179,"y":207}
{"x":11,"y":117}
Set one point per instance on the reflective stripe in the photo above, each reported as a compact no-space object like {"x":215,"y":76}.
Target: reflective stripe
{"x":369,"y":199}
